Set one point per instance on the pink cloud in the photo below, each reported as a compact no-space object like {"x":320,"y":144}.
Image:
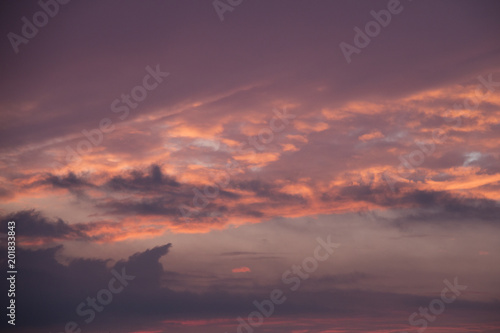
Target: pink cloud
{"x":241,"y":270}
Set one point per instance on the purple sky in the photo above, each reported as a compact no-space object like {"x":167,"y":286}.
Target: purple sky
{"x":205,"y":146}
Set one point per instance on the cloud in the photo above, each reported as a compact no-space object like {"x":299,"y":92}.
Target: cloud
{"x":32,"y":224}
{"x":44,"y":279}
{"x":145,"y":297}
{"x":137,"y":181}
{"x":34,"y":229}
{"x":242,"y":269}
{"x":70,"y":181}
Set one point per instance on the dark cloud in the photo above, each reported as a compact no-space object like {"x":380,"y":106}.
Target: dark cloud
{"x":153,"y":194}
{"x":456,"y":207}
{"x":32,"y":224}
{"x":426,"y":205}
{"x":138,"y":181}
{"x":145,"y":300}
{"x":70,"y":181}
{"x":48,"y":292}
{"x":268,"y":190}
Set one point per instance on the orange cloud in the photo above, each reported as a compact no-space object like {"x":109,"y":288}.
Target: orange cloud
{"x":241,"y":270}
{"x":371,"y":136}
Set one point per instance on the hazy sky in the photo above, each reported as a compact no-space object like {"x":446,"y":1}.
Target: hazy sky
{"x":342,"y":156}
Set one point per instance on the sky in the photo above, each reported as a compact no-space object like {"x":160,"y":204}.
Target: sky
{"x":244,"y":166}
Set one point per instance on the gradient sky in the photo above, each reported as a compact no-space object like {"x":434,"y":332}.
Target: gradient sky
{"x":262,"y":137}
